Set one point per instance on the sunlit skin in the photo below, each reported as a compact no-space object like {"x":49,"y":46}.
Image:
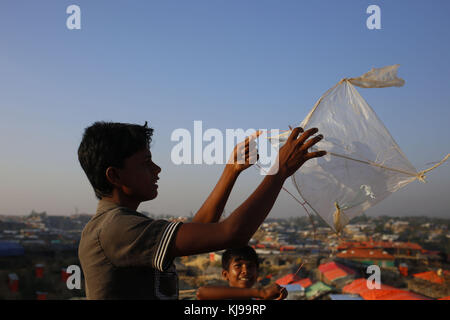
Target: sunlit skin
{"x":241,"y":276}
{"x":241,"y":273}
{"x":136,"y":182}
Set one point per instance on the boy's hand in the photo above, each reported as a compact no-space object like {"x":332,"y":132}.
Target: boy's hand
{"x":295,"y":153}
{"x":273,"y":292}
{"x":244,"y":154}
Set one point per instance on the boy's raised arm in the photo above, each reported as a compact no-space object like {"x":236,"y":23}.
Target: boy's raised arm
{"x":239,"y":227}
{"x":212,"y":208}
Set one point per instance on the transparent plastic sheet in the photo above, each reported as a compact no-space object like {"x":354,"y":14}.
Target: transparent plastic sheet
{"x":364,"y":164}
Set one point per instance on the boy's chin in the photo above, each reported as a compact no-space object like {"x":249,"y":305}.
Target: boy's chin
{"x":148,"y":196}
{"x":152,"y":195}
{"x":245,"y":284}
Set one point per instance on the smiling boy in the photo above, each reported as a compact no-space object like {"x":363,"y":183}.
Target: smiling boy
{"x":126,"y":255}
{"x":240,"y":267}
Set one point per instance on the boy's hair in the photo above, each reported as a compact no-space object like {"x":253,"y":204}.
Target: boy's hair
{"x":108,"y":144}
{"x":244,"y":253}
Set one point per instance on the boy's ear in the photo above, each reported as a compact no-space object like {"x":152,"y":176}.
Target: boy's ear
{"x":113,"y":176}
{"x":225,"y":275}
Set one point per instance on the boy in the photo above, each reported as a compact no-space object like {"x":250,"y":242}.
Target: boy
{"x":240,"y":268}
{"x":126,"y":255}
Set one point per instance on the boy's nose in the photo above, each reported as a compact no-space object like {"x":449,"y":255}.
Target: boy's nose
{"x":244,"y":269}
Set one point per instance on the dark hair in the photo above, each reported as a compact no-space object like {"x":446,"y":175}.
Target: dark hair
{"x":244,"y":253}
{"x":108,"y":144}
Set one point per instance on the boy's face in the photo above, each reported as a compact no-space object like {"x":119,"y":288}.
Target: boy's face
{"x":241,"y":273}
{"x":139,"y":175}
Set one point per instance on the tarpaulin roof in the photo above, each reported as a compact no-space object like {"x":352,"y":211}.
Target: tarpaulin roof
{"x":431,"y":276}
{"x":335,"y":270}
{"x":287,"y":279}
{"x":391,"y":295}
{"x":305,"y":283}
{"x":359,"y":286}
{"x":294,"y":279}
{"x":345,"y":297}
{"x":335,"y":274}
{"x":334,"y":266}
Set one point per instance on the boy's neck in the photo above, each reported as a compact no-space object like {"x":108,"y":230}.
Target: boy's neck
{"x":123,"y":200}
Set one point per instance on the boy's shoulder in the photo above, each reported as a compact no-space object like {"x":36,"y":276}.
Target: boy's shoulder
{"x":110,"y":212}
{"x":110,"y":219}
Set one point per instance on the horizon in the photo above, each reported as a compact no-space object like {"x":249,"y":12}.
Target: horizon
{"x":266,"y":220}
{"x":229,"y":64}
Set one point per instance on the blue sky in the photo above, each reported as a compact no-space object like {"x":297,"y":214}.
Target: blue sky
{"x":231,"y":64}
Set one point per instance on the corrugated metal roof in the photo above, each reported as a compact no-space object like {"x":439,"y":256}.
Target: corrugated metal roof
{"x":365,"y":254}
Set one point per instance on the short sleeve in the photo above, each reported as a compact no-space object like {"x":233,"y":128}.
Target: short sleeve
{"x":134,"y":240}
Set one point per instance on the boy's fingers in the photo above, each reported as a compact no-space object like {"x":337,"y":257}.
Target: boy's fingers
{"x":247,"y":141}
{"x":294,"y":134}
{"x":249,"y":152}
{"x":315,"y":154}
{"x":308,"y":133}
{"x":282,"y":295}
{"x":255,"y":135}
{"x":308,"y":144}
{"x":251,"y":146}
{"x":253,"y":159}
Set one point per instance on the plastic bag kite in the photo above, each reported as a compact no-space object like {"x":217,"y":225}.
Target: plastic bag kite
{"x":363,"y":164}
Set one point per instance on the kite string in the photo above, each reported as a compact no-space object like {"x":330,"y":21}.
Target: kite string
{"x":301,"y":203}
{"x":298,"y":269}
{"x":419,"y":176}
{"x":422,"y":173}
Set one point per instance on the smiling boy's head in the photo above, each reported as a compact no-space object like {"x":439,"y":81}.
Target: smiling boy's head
{"x":116,"y":156}
{"x":240,"y":267}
